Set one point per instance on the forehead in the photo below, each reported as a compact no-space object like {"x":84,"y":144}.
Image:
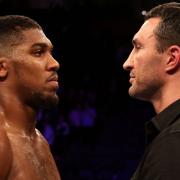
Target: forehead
{"x":35,"y":36}
{"x":146,"y":30}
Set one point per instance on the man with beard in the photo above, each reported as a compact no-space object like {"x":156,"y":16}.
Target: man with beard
{"x":28,"y":82}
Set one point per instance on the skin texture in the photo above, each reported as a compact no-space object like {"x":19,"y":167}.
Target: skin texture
{"x":28,"y":81}
{"x":153,"y":75}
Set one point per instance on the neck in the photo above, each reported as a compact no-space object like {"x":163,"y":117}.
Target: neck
{"x":16,"y":115}
{"x":166,"y":98}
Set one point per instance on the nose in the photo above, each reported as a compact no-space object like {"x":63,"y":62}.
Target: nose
{"x":128,"y":64}
{"x":53,"y":64}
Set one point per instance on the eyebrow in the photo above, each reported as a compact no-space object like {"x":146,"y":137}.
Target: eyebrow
{"x":136,"y":41}
{"x":42,"y":45}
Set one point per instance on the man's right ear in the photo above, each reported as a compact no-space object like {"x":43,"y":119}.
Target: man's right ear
{"x":3,"y":68}
{"x":173,"y":60}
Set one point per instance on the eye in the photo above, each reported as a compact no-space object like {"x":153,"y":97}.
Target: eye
{"x":137,"y":46}
{"x":38,"y":53}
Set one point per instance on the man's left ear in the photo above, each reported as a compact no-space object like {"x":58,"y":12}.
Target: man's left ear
{"x":173,"y":61}
{"x":3,"y":69}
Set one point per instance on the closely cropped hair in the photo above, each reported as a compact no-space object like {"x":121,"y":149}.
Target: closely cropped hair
{"x":11,"y":27}
{"x":168,"y":30}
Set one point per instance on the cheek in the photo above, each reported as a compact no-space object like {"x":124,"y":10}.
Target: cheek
{"x":149,"y":70}
{"x":146,"y":63}
{"x":31,"y":67}
{"x":29,"y":75}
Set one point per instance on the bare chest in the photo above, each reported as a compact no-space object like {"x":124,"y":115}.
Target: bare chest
{"x":32,"y":159}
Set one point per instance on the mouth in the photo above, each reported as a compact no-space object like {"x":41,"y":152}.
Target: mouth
{"x":53,"y":81}
{"x":131,"y":79}
{"x":53,"y":78}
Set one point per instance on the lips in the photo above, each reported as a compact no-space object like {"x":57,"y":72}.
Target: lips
{"x":53,"y":80}
{"x":132,"y":77}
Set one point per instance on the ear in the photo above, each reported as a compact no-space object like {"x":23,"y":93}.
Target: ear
{"x":173,"y":60}
{"x":3,"y":68}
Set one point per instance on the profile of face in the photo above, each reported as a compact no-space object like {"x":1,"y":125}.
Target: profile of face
{"x":145,"y":63}
{"x":34,"y":70}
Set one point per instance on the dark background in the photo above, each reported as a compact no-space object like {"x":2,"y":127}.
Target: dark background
{"x":92,"y":39}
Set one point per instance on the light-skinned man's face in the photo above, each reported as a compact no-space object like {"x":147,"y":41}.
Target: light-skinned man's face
{"x":35,"y":70}
{"x":145,"y":63}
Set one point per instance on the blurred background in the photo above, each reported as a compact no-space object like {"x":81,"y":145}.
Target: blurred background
{"x":97,"y":131}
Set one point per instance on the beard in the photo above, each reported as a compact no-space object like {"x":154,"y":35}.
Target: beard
{"x":43,"y":100}
{"x":36,"y":94}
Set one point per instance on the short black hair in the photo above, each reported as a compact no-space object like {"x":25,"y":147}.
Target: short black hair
{"x":168,"y":30}
{"x":11,"y":27}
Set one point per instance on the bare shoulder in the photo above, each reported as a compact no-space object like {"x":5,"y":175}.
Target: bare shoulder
{"x":42,"y":140}
{"x":5,"y":154}
{"x":45,"y":156}
{"x":41,"y":137}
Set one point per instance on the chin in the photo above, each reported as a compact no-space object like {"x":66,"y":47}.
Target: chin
{"x":45,"y":101}
{"x":141,"y":95}
{"x":50,"y":102}
{"x":134,"y":93}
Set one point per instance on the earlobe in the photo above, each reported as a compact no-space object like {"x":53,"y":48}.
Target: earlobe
{"x":173,"y":60}
{"x":3,"y":69}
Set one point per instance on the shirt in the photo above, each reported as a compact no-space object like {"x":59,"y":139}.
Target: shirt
{"x":161,"y":159}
